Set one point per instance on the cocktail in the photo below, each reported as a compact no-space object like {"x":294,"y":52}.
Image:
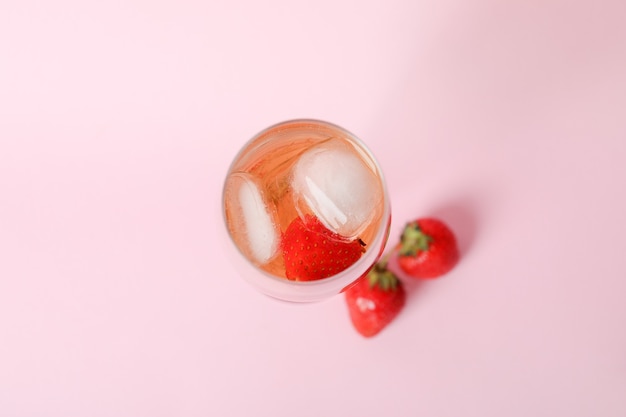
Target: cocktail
{"x":306,"y":207}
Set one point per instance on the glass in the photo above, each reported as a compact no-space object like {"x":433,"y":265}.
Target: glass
{"x":298,"y":169}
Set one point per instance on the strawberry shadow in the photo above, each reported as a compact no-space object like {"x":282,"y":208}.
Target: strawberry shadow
{"x":462,"y":216}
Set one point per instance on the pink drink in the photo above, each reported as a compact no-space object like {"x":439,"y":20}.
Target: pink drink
{"x":296,"y":169}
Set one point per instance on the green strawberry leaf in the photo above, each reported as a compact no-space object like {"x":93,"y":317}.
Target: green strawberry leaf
{"x":413,"y":240}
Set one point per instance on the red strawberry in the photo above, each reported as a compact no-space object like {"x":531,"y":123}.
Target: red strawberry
{"x":311,"y":251}
{"x":375,"y":300}
{"x":428,"y":249}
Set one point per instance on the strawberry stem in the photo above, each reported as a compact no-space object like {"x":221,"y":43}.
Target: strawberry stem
{"x":413,"y":240}
{"x":382,"y":277}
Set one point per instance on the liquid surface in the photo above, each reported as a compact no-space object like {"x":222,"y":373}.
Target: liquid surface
{"x":294,"y":170}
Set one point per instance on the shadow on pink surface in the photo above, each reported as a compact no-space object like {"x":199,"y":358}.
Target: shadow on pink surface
{"x":463,"y":217}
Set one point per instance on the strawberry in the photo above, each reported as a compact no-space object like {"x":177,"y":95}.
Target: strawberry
{"x":311,"y":251}
{"x":428,"y":249}
{"x":374,"y":300}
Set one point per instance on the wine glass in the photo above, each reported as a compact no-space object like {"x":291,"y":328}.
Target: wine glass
{"x":303,"y":169}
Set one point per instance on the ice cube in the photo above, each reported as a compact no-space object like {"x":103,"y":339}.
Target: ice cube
{"x":251,"y":221}
{"x":338,"y":186}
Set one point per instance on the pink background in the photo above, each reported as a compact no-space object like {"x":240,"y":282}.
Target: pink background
{"x":118,"y":120}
